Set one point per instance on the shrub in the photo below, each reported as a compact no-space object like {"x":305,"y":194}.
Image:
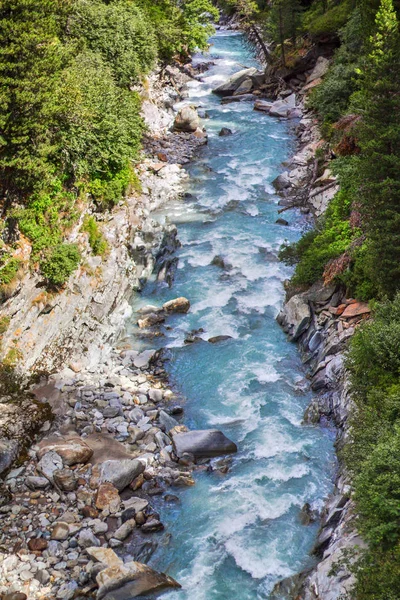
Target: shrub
{"x":59,"y":263}
{"x":97,"y":241}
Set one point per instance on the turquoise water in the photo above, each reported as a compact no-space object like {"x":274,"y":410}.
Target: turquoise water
{"x":235,"y":535}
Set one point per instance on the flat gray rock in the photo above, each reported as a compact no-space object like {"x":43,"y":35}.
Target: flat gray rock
{"x":120,"y":472}
{"x":203,"y":443}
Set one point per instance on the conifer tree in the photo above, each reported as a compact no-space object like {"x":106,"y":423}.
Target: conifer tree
{"x":379,"y":139}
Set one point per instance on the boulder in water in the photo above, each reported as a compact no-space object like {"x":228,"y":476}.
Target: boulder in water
{"x":281,"y":108}
{"x":219,"y":338}
{"x":178,"y":305}
{"x":225,"y":131}
{"x":229,"y":87}
{"x":245,"y":87}
{"x":205,"y":443}
{"x":187,"y":120}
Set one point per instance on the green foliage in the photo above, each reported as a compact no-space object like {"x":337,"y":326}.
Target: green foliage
{"x":97,"y":241}
{"x":59,"y":263}
{"x":332,"y":97}
{"x":373,"y":452}
{"x":324,"y":18}
{"x":331,"y":237}
{"x":119,"y":32}
{"x":180,"y":27}
{"x":8,"y":269}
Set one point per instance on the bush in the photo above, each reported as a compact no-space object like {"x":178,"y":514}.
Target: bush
{"x":60,"y":263}
{"x":97,"y":241}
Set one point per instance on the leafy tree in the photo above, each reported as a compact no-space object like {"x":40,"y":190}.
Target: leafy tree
{"x":119,"y":32}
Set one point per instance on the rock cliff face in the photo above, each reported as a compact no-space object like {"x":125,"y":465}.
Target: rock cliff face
{"x":78,"y":324}
{"x":331,"y":321}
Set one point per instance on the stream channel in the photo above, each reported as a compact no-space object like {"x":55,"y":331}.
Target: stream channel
{"x":233,"y":536}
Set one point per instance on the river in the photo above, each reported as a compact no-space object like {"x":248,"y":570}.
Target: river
{"x":235,"y":535}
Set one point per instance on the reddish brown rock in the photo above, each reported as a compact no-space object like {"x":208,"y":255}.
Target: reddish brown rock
{"x":72,"y":451}
{"x":355,"y":310}
{"x":108,"y":497}
{"x":90,"y":512}
{"x":37,"y":544}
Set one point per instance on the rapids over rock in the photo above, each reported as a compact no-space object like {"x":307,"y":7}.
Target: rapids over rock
{"x":235,"y":534}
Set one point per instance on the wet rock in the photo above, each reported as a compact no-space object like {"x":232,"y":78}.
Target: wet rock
{"x":72,"y":451}
{"x":282,"y":182}
{"x":50,"y":462}
{"x":244,"y":88}
{"x":131,"y":580}
{"x":281,"y":221}
{"x":65,"y":479}
{"x":307,"y":515}
{"x":187,"y":120}
{"x":67,"y":590}
{"x":120,"y":472}
{"x":203,"y":443}
{"x":219,"y":338}
{"x":225,"y":131}
{"x":108,"y":498}
{"x":152,"y":525}
{"x":150,"y":320}
{"x":166,"y":421}
{"x":178,"y":305}
{"x":229,"y":87}
{"x":262,"y":105}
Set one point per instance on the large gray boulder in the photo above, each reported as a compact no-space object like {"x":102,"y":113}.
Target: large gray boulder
{"x":229,"y":87}
{"x":281,"y":108}
{"x":203,"y":443}
{"x":295,"y":316}
{"x":187,"y":120}
{"x":120,"y":472}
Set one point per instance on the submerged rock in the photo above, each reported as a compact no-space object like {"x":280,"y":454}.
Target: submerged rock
{"x":219,"y":338}
{"x":225,"y":131}
{"x":203,"y":443}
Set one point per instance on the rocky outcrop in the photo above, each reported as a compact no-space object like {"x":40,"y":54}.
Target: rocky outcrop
{"x":322,"y":343}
